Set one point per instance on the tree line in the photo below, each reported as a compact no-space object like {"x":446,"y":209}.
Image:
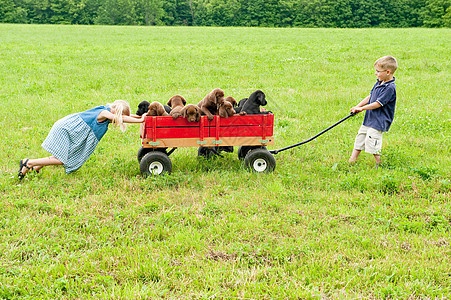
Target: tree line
{"x":265,"y":13}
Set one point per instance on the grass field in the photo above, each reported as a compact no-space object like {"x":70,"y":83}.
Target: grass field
{"x":315,"y":228}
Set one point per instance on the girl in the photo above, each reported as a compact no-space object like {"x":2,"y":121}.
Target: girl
{"x":73,"y":138}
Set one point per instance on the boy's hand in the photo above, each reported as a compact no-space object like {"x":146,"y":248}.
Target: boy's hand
{"x":356,"y":109}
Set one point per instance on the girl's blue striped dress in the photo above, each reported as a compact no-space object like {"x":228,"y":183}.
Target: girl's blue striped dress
{"x":73,"y":139}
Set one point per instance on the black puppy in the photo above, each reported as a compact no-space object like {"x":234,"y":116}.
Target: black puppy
{"x":143,"y":107}
{"x":167,"y":108}
{"x":240,"y":105}
{"x":252,"y":104}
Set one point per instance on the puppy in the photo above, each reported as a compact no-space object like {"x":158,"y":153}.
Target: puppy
{"x":240,"y":106}
{"x":242,"y":101}
{"x":211,"y":102}
{"x":252,"y":105}
{"x":176,"y":103}
{"x":236,"y":106}
{"x":143,"y":107}
{"x":191,"y":112}
{"x":231,"y":100}
{"x":156,"y":109}
{"x":167,"y":108}
{"x":226,"y":109}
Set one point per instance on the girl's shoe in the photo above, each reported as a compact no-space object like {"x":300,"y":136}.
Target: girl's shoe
{"x":23,"y":163}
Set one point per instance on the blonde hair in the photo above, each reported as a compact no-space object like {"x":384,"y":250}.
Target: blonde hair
{"x":121,"y":108}
{"x":387,"y":62}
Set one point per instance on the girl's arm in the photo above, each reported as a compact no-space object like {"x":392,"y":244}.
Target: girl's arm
{"x":127,"y":119}
{"x":130,"y":119}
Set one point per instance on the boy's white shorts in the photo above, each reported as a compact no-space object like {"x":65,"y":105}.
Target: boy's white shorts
{"x":368,"y":139}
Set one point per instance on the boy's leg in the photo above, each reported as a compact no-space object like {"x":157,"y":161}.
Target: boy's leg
{"x":373,"y":144}
{"x":359,"y":144}
{"x":354,"y":155}
{"x":377,"y":157}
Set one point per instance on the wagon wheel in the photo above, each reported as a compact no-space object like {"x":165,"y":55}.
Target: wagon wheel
{"x":143,"y":151}
{"x":260,"y":160}
{"x":208,"y":152}
{"x":243,"y":150}
{"x":155,"y":163}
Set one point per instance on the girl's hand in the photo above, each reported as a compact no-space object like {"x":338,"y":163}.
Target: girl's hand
{"x":143,"y":117}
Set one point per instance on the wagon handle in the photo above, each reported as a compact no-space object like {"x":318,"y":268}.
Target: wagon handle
{"x":313,"y":137}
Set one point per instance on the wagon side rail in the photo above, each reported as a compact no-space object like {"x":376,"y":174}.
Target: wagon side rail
{"x":161,"y":132}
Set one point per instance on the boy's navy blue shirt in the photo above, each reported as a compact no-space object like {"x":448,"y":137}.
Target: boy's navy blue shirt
{"x":382,"y":117}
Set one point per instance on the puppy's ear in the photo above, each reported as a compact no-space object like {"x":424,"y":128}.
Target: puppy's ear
{"x":183,"y":100}
{"x":169,"y":103}
{"x":263,"y":99}
{"x":219,"y":93}
{"x":220,"y":100}
{"x":222,"y":112}
{"x":160,"y":110}
{"x":198,"y":114}
{"x":183,"y":112}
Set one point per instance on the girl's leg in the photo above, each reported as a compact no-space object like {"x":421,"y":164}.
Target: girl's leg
{"x":141,"y":130}
{"x":38,"y":163}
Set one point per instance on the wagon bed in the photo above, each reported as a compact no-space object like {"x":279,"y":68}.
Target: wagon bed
{"x":251,"y":132}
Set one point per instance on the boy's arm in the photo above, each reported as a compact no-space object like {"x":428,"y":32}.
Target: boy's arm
{"x":363,"y":105}
{"x":373,"y":105}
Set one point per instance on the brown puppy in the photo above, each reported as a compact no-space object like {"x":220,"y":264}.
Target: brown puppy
{"x":176,"y":102}
{"x":191,"y":112}
{"x":231,"y":100}
{"x":156,"y":109}
{"x":236,"y":109}
{"x":226,"y":109}
{"x":211,"y":102}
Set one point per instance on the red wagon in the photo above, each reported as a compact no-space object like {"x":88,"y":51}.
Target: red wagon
{"x":252,"y":133}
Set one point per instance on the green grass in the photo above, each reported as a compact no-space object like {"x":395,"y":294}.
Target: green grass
{"x":315,"y":228}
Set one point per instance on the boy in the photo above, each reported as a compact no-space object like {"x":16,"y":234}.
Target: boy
{"x":380,"y":110}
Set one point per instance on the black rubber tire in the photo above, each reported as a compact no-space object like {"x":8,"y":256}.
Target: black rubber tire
{"x":143,"y":151}
{"x":259,"y":161}
{"x":243,"y":150}
{"x":155,"y":163}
